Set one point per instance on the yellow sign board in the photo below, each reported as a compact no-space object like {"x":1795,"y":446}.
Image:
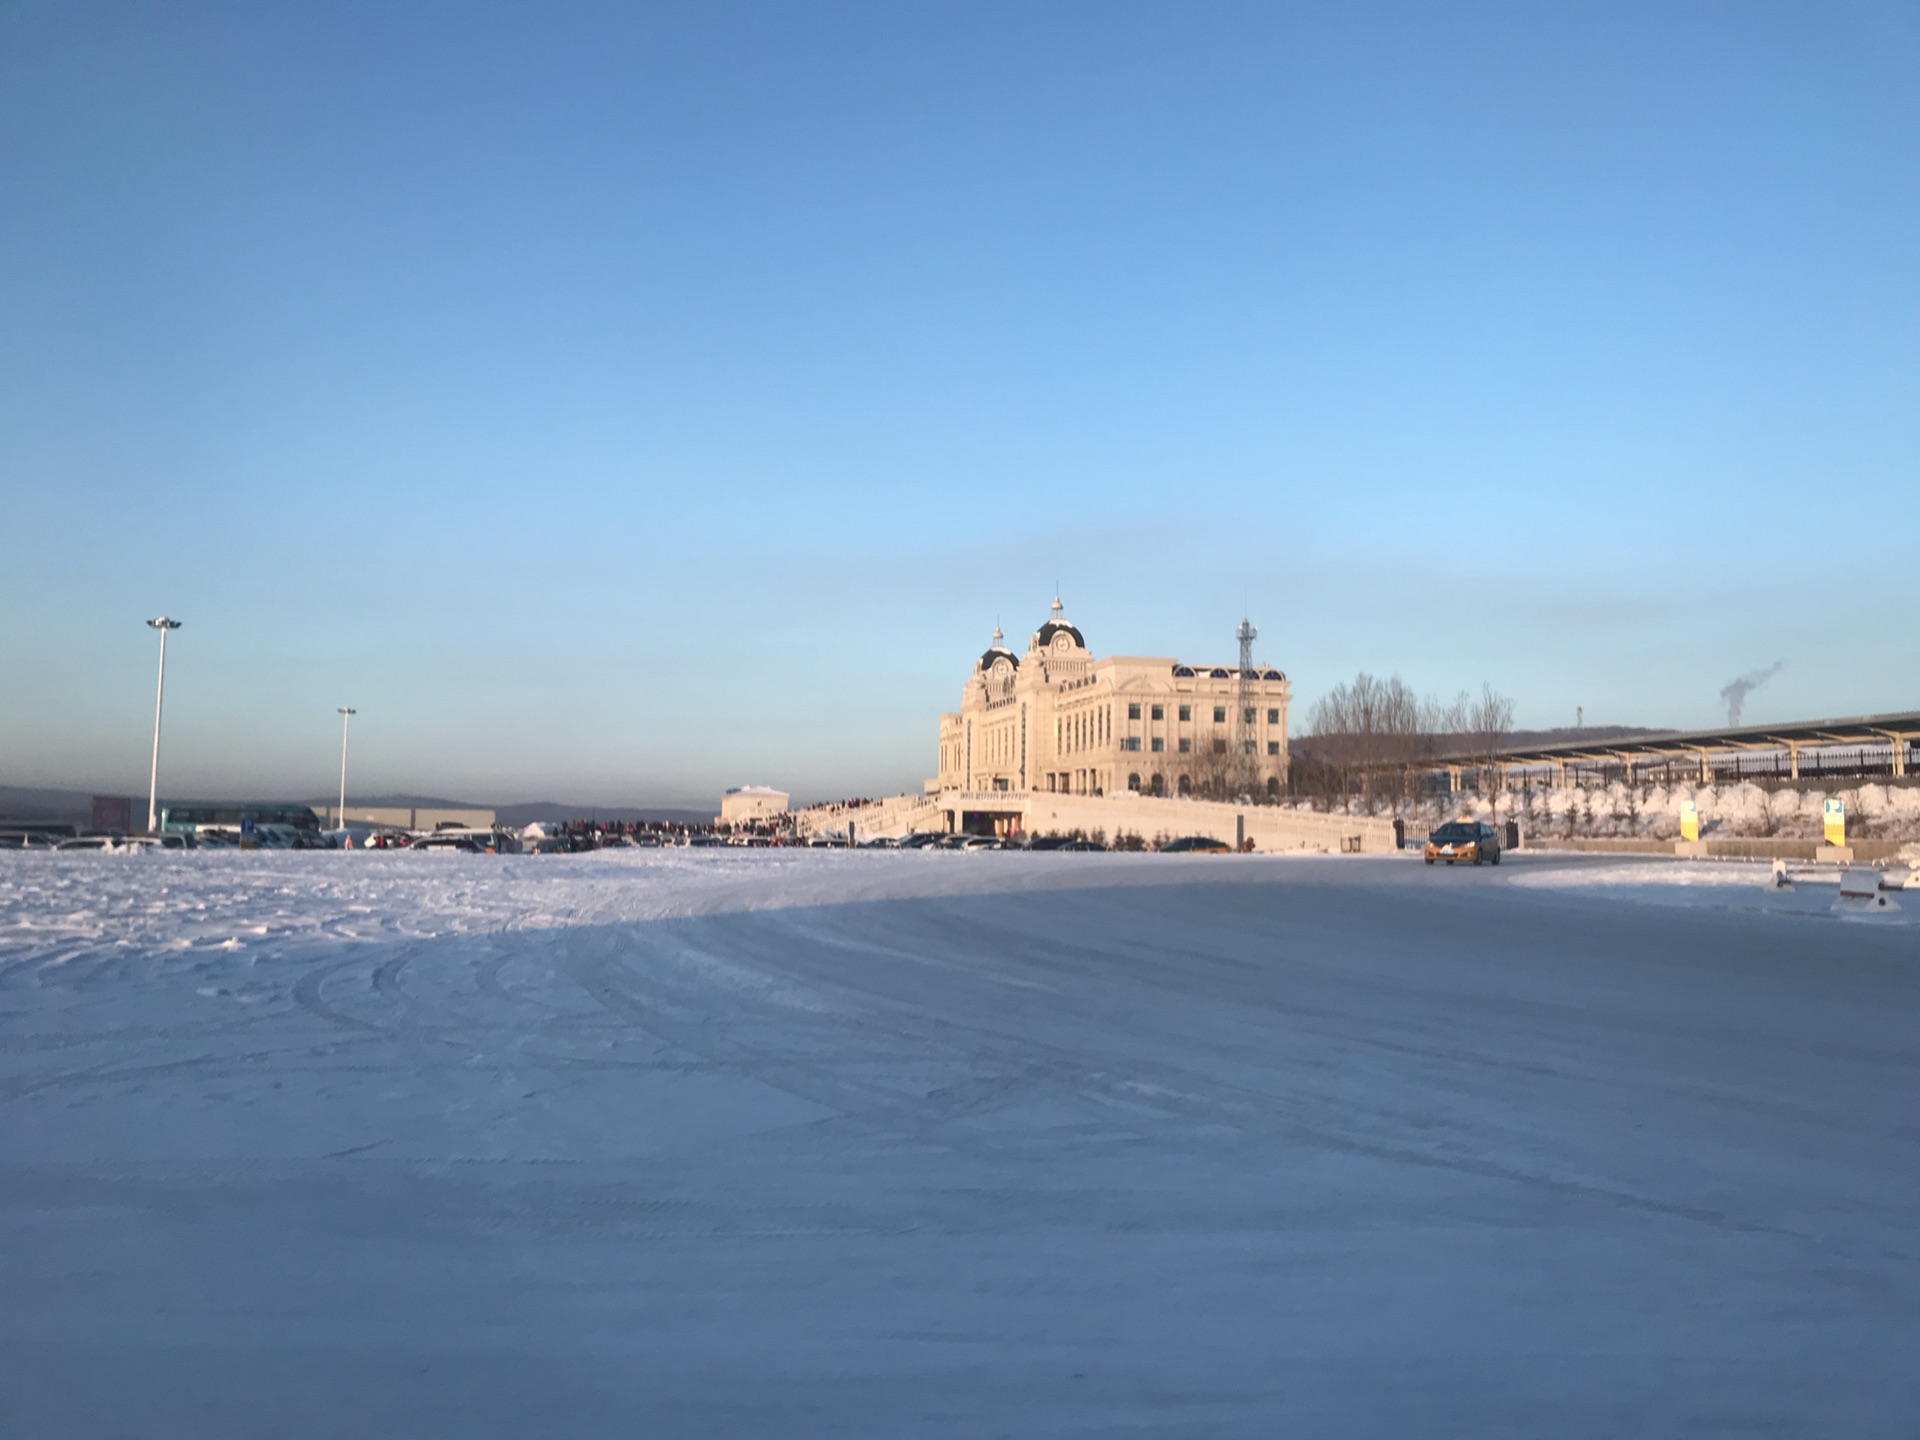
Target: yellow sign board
{"x":1689,"y":821}
{"x":1835,"y":821}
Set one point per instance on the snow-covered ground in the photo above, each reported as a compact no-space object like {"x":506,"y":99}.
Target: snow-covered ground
{"x":834,"y":1144}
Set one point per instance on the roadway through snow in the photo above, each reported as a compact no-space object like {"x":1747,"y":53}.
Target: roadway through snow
{"x":862,"y":1144}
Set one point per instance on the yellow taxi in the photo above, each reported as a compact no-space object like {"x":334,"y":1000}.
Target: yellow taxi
{"x":1463,"y":840}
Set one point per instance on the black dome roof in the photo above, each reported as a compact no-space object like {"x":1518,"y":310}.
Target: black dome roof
{"x":1044,"y":636}
{"x":998,"y":652}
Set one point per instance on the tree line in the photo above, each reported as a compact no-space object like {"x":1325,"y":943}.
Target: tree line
{"x":1374,"y":734}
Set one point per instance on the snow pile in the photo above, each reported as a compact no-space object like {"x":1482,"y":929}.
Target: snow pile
{"x":1713,"y":885}
{"x":1874,"y":811}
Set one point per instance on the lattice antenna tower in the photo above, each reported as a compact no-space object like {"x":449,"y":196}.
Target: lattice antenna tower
{"x":1243,"y":733}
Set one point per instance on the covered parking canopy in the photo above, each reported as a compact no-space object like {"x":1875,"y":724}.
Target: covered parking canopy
{"x":1897,"y":730}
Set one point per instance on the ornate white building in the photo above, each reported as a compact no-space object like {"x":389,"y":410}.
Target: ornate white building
{"x":1057,"y":719}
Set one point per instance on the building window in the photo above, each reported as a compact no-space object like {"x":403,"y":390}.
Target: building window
{"x":1247,"y":714}
{"x":1219,"y":714}
{"x":1133,"y":783}
{"x":1273,"y":785}
{"x":1159,"y":785}
{"x":1273,"y":716}
{"x":1186,"y":784}
{"x":1130,"y":742}
{"x":1273,"y":747}
{"x":1186,"y":712}
{"x":1219,"y":747}
{"x":1185,"y":744}
{"x":1159,"y":712}
{"x":1246,"y":747}
{"x":1158,"y":744}
{"x":1133,"y":712}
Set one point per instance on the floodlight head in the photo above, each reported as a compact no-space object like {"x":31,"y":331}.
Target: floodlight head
{"x":163,"y":623}
{"x":348,"y":710}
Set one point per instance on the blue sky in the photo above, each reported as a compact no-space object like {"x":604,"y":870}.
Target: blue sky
{"x":615,"y":404}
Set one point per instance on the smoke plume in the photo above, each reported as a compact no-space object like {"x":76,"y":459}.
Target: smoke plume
{"x":1735,"y":692}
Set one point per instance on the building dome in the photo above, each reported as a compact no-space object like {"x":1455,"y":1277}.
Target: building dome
{"x":997,"y":651}
{"x":1057,"y":625}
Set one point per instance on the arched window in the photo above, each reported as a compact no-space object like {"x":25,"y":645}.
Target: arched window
{"x":1133,"y":783}
{"x":1186,"y":784}
{"x":1159,"y":785}
{"x":1273,"y":787}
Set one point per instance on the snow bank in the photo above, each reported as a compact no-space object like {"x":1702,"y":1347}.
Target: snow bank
{"x":1653,"y":811}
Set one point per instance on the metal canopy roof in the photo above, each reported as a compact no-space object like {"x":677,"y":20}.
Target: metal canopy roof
{"x":1853,"y":730}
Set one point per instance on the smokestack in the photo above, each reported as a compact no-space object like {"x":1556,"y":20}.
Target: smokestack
{"x":1735,"y":692}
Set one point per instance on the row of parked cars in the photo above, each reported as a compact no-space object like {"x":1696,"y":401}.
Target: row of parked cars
{"x":499,"y":840}
{"x":933,"y":840}
{"x":54,"y":840}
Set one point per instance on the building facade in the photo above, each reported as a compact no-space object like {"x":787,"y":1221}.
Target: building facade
{"x":747,"y":804}
{"x":1057,"y":719}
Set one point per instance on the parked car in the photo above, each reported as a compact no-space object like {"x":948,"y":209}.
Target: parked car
{"x":31,"y":840}
{"x":921,"y":840}
{"x":1081,"y":845}
{"x":478,"y":842}
{"x":1196,"y":845}
{"x":1463,"y":840}
{"x":124,"y":843}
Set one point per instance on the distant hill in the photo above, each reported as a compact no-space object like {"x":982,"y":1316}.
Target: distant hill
{"x":528,"y":811}
{"x":24,"y":802}
{"x":411,"y":802}
{"x":1582,"y":734}
{"x":623,"y":814}
{"x":1308,"y":745}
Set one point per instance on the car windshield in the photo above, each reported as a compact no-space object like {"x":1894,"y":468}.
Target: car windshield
{"x":1454,"y":832}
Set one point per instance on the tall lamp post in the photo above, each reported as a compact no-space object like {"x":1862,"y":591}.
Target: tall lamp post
{"x":347,"y":712}
{"x":163,"y":625}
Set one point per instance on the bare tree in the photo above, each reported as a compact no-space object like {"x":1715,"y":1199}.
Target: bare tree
{"x":1489,"y":727}
{"x":1367,"y":726}
{"x":1211,"y":769}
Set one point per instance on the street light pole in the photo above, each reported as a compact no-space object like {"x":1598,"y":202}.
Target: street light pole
{"x":163,"y":625}
{"x":347,"y":712}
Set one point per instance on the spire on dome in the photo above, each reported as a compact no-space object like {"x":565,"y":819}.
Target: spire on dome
{"x":1057,"y":624}
{"x":997,"y":651}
